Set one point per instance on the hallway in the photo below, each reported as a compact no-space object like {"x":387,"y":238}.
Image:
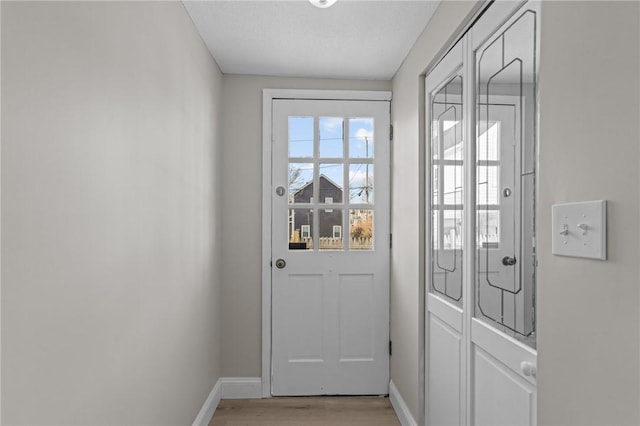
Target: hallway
{"x":308,"y":411}
{"x":132,"y":284}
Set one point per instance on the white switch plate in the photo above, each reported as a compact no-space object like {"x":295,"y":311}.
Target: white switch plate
{"x":580,"y":229}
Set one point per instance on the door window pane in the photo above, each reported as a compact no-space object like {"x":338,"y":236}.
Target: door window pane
{"x":331,"y":137}
{"x":300,"y":137}
{"x":487,"y":148}
{"x":361,"y":183}
{"x":487,"y":185}
{"x":300,"y":229}
{"x":361,"y":138}
{"x":361,"y":229}
{"x":452,"y":184}
{"x":331,"y":182}
{"x":300,"y":183}
{"x":330,"y":219}
{"x":506,"y":87}
{"x":447,"y":186}
{"x":488,"y":228}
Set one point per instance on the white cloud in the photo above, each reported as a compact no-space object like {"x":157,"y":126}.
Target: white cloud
{"x":362,"y":133}
{"x":331,"y":123}
{"x":359,"y":176}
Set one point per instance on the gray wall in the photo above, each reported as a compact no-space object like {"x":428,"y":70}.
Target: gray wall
{"x":589,"y":320}
{"x":110,"y":214}
{"x":241,"y":214}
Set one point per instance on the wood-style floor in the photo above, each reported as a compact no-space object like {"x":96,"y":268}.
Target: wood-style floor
{"x":306,"y":411}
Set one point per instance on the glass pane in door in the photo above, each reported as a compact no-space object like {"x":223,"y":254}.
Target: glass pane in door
{"x":361,"y":138}
{"x":331,"y":137}
{"x":447,"y":189}
{"x":300,"y":229}
{"x":361,"y":183}
{"x":330,"y":222}
{"x":505,"y":184}
{"x":300,"y":183}
{"x":300,"y":137}
{"x":361,"y":231}
{"x":331,"y":183}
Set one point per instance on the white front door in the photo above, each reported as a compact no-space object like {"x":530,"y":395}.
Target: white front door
{"x":330,"y":247}
{"x":480,"y":330}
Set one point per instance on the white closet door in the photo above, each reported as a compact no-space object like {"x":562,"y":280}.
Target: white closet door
{"x":481,"y":168}
{"x":502,"y":353}
{"x":445,"y":330}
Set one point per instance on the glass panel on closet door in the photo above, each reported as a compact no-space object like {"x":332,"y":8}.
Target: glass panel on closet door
{"x":505,"y":179}
{"x":447,"y":188}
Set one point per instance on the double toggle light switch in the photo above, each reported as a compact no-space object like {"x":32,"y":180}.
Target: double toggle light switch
{"x":582,"y":226}
{"x":580,"y":229}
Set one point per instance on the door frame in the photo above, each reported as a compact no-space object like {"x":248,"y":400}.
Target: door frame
{"x":268,"y":96}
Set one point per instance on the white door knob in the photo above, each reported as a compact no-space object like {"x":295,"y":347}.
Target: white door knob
{"x":528,"y":369}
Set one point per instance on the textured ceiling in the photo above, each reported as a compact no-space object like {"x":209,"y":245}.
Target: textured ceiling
{"x":356,"y":39}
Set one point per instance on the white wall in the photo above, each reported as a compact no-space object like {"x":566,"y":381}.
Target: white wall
{"x":110,"y":214}
{"x":241,"y":214}
{"x":589,"y":319}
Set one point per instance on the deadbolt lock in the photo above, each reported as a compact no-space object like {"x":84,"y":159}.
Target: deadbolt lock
{"x":280,"y":263}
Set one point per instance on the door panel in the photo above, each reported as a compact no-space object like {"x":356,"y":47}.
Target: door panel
{"x":503,"y":356}
{"x":356,"y":317}
{"x":445,"y":339}
{"x":307,"y":335}
{"x":512,"y":353}
{"x":445,"y":382}
{"x":501,"y":397}
{"x":330,"y":247}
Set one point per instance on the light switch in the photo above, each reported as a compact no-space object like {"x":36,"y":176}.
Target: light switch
{"x":580,"y":229}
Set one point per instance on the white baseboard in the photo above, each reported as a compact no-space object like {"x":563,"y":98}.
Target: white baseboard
{"x":241,"y":387}
{"x":400,"y":407}
{"x":228,"y":388}
{"x":209,"y":406}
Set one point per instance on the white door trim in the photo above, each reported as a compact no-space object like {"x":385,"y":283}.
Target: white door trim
{"x":268,"y":95}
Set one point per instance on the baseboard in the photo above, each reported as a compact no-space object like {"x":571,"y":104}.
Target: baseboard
{"x":241,"y":387}
{"x":228,"y":388}
{"x":209,"y":406}
{"x":400,"y":407}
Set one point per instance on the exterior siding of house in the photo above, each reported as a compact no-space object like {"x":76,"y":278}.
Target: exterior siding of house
{"x":329,"y":217}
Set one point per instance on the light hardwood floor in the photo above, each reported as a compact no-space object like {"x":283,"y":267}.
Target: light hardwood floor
{"x":305,"y":411}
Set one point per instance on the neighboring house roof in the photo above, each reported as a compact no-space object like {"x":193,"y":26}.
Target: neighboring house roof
{"x":322,"y":176}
